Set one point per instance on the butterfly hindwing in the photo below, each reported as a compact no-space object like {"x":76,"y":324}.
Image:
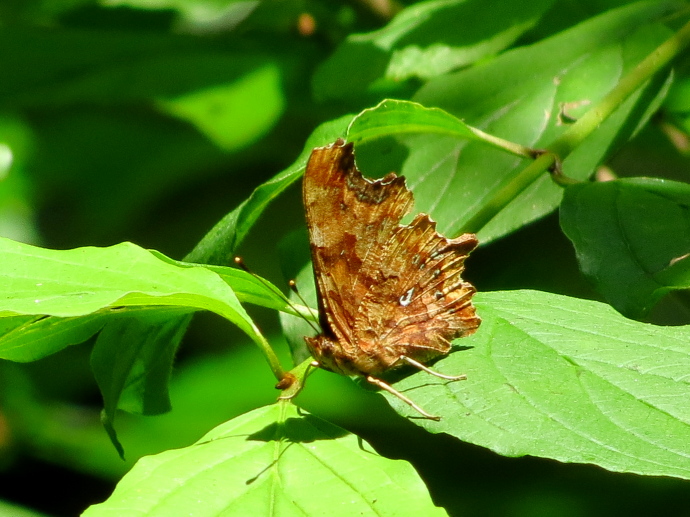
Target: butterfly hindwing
{"x":420,"y":302}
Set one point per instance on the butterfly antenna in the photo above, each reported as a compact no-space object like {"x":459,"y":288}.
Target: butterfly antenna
{"x":293,"y":287}
{"x":240,"y":263}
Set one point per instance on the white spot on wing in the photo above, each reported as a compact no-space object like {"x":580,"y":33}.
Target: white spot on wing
{"x":406,"y":298}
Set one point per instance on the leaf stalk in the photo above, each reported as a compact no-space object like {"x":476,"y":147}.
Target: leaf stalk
{"x":561,"y":147}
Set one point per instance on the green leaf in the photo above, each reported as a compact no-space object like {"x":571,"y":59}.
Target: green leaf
{"x":219,"y":244}
{"x":529,"y":95}
{"x":30,"y":338}
{"x":424,"y":40}
{"x":632,"y":238}
{"x":132,"y":362}
{"x":235,"y":114}
{"x":133,"y":358}
{"x":393,"y":117}
{"x":85,"y":280}
{"x":272,"y":460}
{"x":568,"y":379}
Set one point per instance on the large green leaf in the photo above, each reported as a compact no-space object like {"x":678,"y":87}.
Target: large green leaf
{"x":235,"y":114}
{"x":423,"y":41}
{"x":273,"y":460}
{"x":632,"y":238}
{"x":87,"y":281}
{"x":29,"y":338}
{"x":567,"y":379}
{"x":83,"y":281}
{"x":133,"y":357}
{"x":529,"y":95}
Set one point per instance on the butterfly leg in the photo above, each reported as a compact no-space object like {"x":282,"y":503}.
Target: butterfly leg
{"x":420,"y":366}
{"x":390,"y":389}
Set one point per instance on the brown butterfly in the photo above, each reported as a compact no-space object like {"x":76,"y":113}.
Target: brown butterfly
{"x":388,"y":294}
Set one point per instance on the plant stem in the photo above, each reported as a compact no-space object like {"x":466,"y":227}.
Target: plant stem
{"x":591,"y":120}
{"x":500,"y":143}
{"x":298,"y":376}
{"x":560,"y":148}
{"x":270,"y":355}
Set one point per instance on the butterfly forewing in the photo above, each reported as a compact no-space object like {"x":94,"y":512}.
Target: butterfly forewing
{"x":350,"y":219}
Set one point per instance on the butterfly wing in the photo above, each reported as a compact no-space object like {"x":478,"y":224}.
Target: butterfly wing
{"x":350,"y":220}
{"x":420,"y":302}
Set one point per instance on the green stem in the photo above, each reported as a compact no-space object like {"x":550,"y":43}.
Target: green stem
{"x":560,"y":148}
{"x":591,"y":120}
{"x":270,"y":355}
{"x":298,"y":375}
{"x":500,"y":143}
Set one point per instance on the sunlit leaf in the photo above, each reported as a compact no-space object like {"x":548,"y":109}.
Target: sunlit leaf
{"x":530,"y":95}
{"x":567,"y":379}
{"x":424,"y":40}
{"x":273,"y":459}
{"x":392,"y":117}
{"x":83,"y":281}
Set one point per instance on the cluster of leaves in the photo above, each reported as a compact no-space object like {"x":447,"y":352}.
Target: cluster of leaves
{"x":453,"y":94}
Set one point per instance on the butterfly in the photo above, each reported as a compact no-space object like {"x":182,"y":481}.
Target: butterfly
{"x":388,"y":294}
